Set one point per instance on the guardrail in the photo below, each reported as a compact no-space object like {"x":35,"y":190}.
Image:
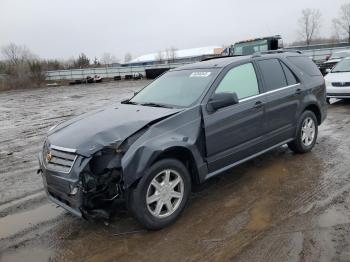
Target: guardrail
{"x":318,"y":55}
{"x":106,"y":72}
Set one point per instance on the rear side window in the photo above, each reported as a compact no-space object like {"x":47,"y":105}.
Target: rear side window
{"x":273,"y":74}
{"x":241,"y":80}
{"x":291,"y":79}
{"x":305,"y":64}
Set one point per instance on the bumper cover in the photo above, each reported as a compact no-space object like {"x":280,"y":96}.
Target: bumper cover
{"x":70,"y":190}
{"x":58,"y":188}
{"x":338,"y":95}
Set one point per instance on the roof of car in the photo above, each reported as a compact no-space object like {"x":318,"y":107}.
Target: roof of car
{"x":221,"y":62}
{"x":218,"y":62}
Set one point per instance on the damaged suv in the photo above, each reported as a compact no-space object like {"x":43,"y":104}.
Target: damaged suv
{"x":190,"y":124}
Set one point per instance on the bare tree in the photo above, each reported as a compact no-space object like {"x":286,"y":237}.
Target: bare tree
{"x":96,"y":62}
{"x":82,"y":62}
{"x":23,"y":66}
{"x":11,"y":53}
{"x":336,"y":30}
{"x":343,"y":22}
{"x":127,"y":58}
{"x":160,"y":57}
{"x":16,"y":54}
{"x":171,"y":54}
{"x":309,"y":23}
{"x":108,"y":58}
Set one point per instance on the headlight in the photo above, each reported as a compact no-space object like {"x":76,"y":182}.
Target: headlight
{"x":45,"y":149}
{"x":124,"y":146}
{"x":328,"y":83}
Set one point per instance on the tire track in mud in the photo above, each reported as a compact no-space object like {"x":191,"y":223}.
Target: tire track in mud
{"x":257,"y":212}
{"x":24,"y":208}
{"x":25,"y":120}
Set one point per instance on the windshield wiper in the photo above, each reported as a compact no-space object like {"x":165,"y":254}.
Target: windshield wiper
{"x":129,"y":102}
{"x":155,"y":105}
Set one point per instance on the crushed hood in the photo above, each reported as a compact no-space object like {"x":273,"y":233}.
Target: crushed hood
{"x":92,"y":131}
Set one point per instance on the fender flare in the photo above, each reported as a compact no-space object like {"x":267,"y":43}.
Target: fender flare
{"x":145,"y":156}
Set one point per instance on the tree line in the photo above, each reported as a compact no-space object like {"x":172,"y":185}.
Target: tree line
{"x":310,"y":24}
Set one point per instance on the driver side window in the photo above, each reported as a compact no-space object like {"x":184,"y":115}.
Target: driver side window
{"x":241,"y":80}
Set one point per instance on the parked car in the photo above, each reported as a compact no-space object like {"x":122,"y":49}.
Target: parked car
{"x":333,"y":60}
{"x":338,"y":81}
{"x":189,"y":125}
{"x":137,"y":76}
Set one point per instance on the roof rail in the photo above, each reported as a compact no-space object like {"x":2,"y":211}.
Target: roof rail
{"x":218,"y":57}
{"x":278,"y":51}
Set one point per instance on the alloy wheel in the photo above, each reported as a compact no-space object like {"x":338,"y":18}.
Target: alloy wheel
{"x":165,"y":193}
{"x":308,"y":131}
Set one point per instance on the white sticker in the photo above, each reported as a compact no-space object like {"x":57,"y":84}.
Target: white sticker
{"x":200,"y":74}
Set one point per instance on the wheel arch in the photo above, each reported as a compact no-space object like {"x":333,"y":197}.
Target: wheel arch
{"x":316,"y":110}
{"x":185,"y":156}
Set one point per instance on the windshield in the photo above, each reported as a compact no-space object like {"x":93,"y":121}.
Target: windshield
{"x":248,"y":48}
{"x":342,"y":66}
{"x":176,"y":88}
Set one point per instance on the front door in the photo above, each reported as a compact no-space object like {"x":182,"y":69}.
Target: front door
{"x":235,"y":132}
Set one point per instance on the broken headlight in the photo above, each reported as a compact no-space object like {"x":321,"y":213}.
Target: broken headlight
{"x":124,"y":146}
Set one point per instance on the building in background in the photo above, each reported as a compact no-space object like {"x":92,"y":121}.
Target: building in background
{"x":176,"y":56}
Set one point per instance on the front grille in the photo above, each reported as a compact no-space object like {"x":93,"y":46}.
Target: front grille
{"x":340,"y":84}
{"x":339,"y":94}
{"x":59,"y":159}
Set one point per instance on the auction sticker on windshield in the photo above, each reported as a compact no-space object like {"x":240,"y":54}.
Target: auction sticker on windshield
{"x":200,"y":74}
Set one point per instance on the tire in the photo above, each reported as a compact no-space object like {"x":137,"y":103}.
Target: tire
{"x":149,"y":214}
{"x":301,"y":145}
{"x":328,"y":101}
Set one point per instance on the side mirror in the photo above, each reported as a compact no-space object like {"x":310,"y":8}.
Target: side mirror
{"x":221,"y":100}
{"x":328,"y":70}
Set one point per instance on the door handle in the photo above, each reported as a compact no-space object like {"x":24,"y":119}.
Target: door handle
{"x":258,"y":104}
{"x":298,"y":91}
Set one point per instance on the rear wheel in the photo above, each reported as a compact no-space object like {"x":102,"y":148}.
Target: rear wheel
{"x":161,"y":195}
{"x":307,"y":131}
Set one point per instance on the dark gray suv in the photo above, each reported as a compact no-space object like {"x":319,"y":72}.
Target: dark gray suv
{"x":190,"y":124}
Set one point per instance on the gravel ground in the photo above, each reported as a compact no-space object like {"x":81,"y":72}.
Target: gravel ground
{"x":278,"y":207}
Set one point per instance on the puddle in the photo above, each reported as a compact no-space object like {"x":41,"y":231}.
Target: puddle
{"x":13,"y":224}
{"x":28,"y":255}
{"x":333,"y":217}
{"x":260,"y":216}
{"x":262,"y":211}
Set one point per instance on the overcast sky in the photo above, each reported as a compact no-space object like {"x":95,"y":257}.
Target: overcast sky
{"x":64,"y":28}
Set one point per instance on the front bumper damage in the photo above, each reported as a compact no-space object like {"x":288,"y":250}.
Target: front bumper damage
{"x":89,"y":189}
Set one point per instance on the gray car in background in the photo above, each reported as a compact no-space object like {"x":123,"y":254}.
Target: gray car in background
{"x":190,"y":124}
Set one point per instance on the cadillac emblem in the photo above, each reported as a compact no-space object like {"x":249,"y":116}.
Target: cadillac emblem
{"x":48,"y":157}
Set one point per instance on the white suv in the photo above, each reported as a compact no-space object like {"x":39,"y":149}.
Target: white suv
{"x":338,"y":80}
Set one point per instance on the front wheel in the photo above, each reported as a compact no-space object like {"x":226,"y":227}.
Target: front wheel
{"x":161,"y":195}
{"x":307,"y":131}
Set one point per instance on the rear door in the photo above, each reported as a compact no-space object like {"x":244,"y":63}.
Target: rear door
{"x":235,"y":132}
{"x":283,"y":94}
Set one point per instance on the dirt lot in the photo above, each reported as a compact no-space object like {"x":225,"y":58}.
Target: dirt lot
{"x":278,"y":207}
